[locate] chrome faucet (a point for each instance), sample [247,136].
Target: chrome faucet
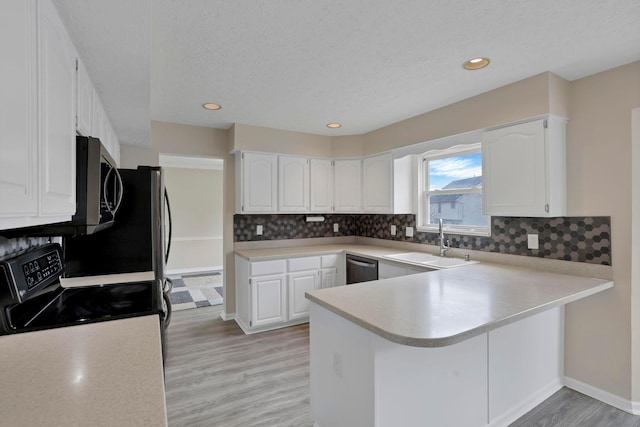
[444,245]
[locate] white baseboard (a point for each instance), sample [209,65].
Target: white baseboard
[603,396]
[526,405]
[177,271]
[227,316]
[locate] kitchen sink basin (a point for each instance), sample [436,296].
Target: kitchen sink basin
[429,260]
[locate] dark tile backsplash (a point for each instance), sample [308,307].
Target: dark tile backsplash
[578,239]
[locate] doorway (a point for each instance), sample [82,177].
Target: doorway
[195,264]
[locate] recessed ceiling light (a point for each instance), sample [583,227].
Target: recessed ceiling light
[476,63]
[211,106]
[334,125]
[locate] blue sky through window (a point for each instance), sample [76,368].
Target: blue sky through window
[444,171]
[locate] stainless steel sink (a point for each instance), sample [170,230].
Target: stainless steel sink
[428,260]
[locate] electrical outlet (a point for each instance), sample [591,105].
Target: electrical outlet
[532,241]
[409,232]
[393,230]
[258,230]
[336,227]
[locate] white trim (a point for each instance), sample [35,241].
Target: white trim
[227,316]
[187,162]
[194,270]
[603,396]
[194,238]
[526,405]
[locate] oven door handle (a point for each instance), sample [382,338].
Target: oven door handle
[167,318]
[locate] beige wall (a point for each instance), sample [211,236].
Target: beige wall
[256,138]
[523,99]
[598,329]
[172,138]
[196,208]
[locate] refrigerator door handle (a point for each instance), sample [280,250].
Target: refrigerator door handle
[168,205]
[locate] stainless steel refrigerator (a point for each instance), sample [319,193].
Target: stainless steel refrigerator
[138,241]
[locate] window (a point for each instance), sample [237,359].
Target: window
[451,188]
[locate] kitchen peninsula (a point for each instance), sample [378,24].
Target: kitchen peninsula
[478,345]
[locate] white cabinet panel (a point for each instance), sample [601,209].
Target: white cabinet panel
[261,268]
[259,183]
[299,283]
[321,183]
[56,102]
[348,185]
[524,169]
[304,263]
[18,109]
[84,103]
[328,277]
[268,300]
[293,184]
[377,186]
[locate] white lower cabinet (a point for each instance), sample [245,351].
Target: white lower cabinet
[299,283]
[268,300]
[271,294]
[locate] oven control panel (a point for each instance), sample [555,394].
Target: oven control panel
[41,268]
[27,273]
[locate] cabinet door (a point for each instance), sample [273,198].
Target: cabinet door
[514,176]
[56,103]
[97,118]
[268,300]
[18,111]
[348,185]
[328,277]
[377,189]
[299,283]
[259,182]
[84,102]
[293,184]
[321,180]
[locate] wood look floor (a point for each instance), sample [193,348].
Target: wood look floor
[216,376]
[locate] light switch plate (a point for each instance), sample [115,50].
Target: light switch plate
[336,227]
[393,230]
[532,241]
[409,232]
[258,230]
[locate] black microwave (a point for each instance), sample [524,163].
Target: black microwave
[99,193]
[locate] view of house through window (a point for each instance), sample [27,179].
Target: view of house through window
[452,190]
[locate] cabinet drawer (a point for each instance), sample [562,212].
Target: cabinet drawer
[329,260]
[386,271]
[304,263]
[260,268]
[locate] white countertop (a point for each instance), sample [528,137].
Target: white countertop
[443,307]
[99,374]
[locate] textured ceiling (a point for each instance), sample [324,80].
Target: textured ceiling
[298,65]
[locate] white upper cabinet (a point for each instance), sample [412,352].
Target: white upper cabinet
[56,102]
[84,114]
[18,110]
[321,180]
[524,169]
[293,184]
[348,185]
[377,189]
[258,183]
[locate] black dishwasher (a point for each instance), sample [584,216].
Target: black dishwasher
[361,269]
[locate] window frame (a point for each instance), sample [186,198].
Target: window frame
[423,192]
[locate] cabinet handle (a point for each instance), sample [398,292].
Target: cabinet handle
[546,208]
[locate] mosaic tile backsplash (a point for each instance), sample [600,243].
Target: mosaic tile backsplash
[578,239]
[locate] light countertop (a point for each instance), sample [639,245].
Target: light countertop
[443,307]
[377,252]
[99,374]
